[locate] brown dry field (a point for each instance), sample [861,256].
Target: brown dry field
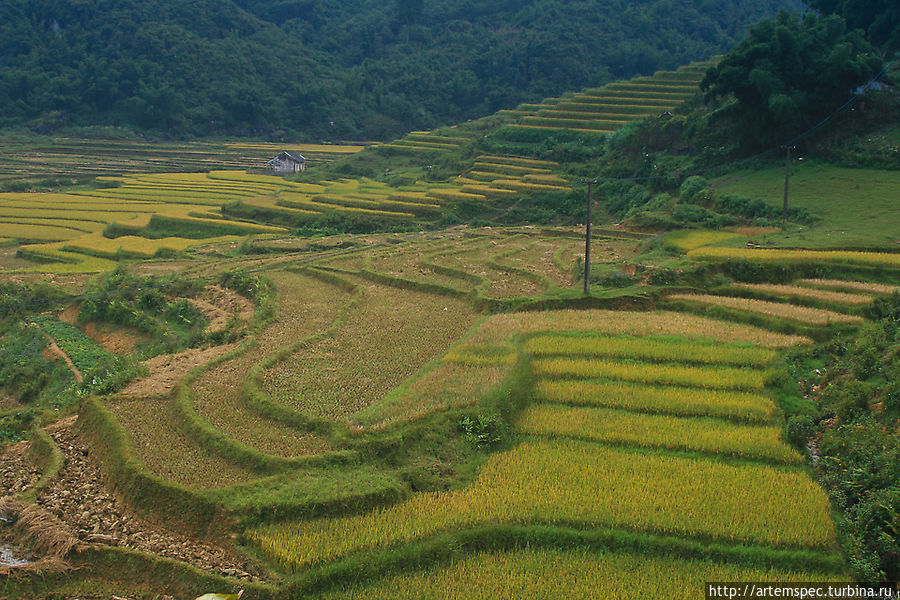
[170,454]
[307,306]
[385,338]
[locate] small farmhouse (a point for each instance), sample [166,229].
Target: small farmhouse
[287,162]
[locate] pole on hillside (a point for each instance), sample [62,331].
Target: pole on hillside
[587,243]
[787,179]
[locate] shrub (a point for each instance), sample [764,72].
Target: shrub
[484,431]
[886,308]
[17,299]
[800,429]
[23,369]
[697,215]
[695,190]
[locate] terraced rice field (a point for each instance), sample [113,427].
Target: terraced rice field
[72,158]
[603,110]
[447,385]
[307,306]
[151,213]
[426,142]
[803,314]
[772,255]
[170,454]
[687,240]
[639,456]
[503,176]
[702,377]
[654,349]
[657,323]
[659,431]
[170,212]
[796,291]
[559,481]
[850,286]
[385,338]
[490,263]
[673,400]
[571,574]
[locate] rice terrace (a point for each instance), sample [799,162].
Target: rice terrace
[399,372]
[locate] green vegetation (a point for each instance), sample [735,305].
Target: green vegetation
[879,19]
[413,390]
[853,436]
[24,370]
[223,68]
[855,208]
[788,75]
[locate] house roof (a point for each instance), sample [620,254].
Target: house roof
[285,156]
[295,155]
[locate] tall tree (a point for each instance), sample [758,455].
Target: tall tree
[880,19]
[408,11]
[788,74]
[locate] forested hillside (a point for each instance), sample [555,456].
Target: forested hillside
[328,68]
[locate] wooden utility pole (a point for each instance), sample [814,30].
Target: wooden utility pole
[787,179]
[587,244]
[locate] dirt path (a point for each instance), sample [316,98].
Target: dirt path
[166,370]
[56,352]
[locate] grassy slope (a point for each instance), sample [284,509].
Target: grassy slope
[857,208]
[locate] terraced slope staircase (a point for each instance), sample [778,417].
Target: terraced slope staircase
[605,109]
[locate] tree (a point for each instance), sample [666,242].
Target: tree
[408,11]
[880,19]
[788,75]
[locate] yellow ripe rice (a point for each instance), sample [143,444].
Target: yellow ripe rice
[812,316]
[659,431]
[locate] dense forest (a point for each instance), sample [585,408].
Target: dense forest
[332,69]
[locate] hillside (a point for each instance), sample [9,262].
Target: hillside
[409,409]
[336,70]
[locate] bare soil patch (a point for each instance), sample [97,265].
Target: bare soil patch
[7,402]
[117,340]
[113,338]
[70,315]
[166,370]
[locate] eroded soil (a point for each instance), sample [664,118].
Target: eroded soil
[79,496]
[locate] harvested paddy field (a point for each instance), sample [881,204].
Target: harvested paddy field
[386,336]
[169,453]
[307,306]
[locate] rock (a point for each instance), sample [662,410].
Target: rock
[99,538]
